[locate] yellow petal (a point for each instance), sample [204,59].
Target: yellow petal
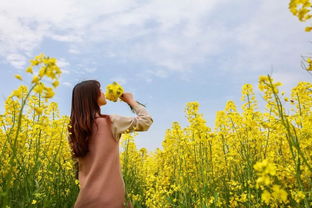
[308,29]
[17,76]
[55,83]
[35,79]
[29,69]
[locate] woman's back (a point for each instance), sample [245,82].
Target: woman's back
[101,183]
[100,176]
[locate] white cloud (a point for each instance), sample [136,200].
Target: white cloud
[110,54]
[148,79]
[77,21]
[269,37]
[159,73]
[148,75]
[63,64]
[65,71]
[65,38]
[174,36]
[16,60]
[167,34]
[89,69]
[68,84]
[73,51]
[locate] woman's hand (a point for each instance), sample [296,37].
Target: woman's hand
[128,98]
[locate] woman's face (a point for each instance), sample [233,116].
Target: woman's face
[102,99]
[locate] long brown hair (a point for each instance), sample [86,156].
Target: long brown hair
[83,112]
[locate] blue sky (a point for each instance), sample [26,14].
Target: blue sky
[167,53]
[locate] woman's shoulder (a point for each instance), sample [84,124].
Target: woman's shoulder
[102,118]
[114,117]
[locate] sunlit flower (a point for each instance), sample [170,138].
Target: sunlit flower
[113,91]
[17,76]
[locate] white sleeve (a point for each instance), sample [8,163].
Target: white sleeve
[122,124]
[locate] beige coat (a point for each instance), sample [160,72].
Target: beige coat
[100,176]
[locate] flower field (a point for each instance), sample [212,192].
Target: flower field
[250,158]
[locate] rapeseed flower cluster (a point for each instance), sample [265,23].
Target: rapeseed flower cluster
[113,91]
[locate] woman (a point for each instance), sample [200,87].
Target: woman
[94,139]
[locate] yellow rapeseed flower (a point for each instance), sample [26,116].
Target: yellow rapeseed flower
[42,71]
[17,76]
[35,79]
[38,110]
[279,194]
[263,78]
[34,62]
[55,83]
[308,29]
[270,169]
[266,196]
[49,93]
[39,88]
[298,196]
[309,61]
[113,91]
[17,93]
[29,69]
